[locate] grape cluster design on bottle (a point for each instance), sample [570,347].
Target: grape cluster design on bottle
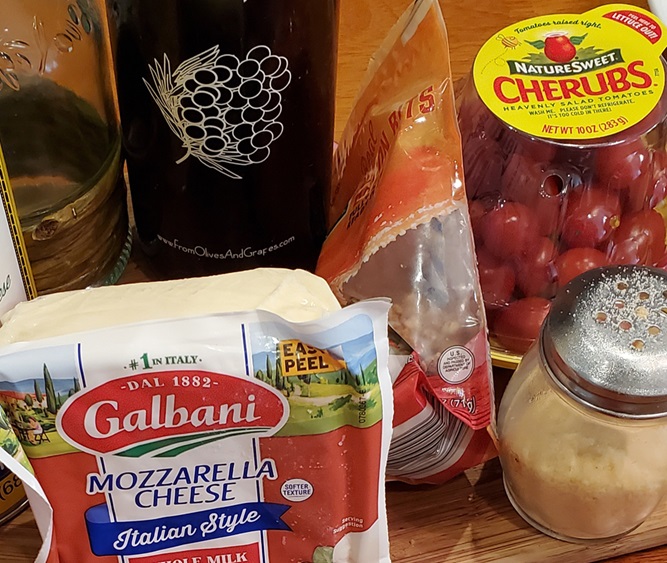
[224,110]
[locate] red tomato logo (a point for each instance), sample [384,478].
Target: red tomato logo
[559,48]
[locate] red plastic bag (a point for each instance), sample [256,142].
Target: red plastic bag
[400,228]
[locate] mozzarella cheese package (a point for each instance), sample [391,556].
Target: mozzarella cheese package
[232,419]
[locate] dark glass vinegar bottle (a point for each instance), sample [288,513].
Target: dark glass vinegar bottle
[227,114]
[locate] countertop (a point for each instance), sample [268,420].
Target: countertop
[468,519]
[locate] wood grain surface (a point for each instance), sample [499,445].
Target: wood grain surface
[469,519]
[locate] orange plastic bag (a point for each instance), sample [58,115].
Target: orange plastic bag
[400,228]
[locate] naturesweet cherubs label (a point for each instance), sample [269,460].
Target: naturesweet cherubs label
[235,438]
[574,76]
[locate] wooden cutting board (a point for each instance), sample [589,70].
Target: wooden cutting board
[468,520]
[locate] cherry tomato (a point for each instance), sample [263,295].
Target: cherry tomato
[496,279]
[476,210]
[547,205]
[638,196]
[592,214]
[657,189]
[639,239]
[521,179]
[623,166]
[524,182]
[577,261]
[640,129]
[535,270]
[538,150]
[509,230]
[518,324]
[474,115]
[637,162]
[662,262]
[482,165]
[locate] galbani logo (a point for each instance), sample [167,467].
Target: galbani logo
[166,414]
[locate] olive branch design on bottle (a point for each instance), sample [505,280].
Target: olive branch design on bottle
[224,110]
[15,54]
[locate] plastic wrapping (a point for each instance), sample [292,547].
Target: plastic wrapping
[226,437]
[564,127]
[400,228]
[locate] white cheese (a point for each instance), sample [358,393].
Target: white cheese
[295,295]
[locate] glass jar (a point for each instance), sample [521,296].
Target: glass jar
[60,134]
[582,422]
[565,161]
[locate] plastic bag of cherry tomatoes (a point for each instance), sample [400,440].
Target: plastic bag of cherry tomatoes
[564,132]
[400,228]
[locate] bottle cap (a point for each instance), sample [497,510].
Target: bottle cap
[604,341]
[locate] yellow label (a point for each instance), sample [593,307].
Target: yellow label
[297,358]
[11,491]
[11,234]
[571,76]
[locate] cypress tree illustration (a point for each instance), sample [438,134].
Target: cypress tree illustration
[348,378]
[27,399]
[269,373]
[362,377]
[51,401]
[38,393]
[77,387]
[280,383]
[307,379]
[4,421]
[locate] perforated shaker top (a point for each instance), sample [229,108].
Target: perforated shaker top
[605,340]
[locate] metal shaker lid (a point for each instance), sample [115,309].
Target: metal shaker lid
[604,340]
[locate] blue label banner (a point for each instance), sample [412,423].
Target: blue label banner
[146,536]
